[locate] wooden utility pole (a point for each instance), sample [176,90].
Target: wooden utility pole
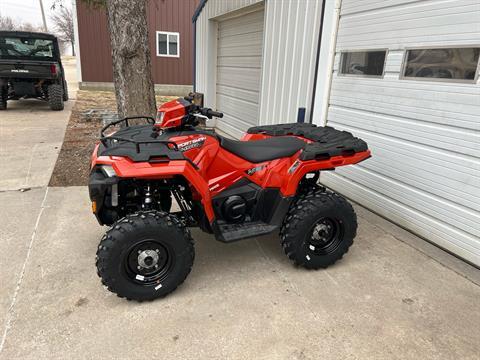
[43,17]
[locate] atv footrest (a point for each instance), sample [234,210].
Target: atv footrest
[234,232]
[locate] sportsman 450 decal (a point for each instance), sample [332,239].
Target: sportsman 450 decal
[192,144]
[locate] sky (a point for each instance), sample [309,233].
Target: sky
[29,10]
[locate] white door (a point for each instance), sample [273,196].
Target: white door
[239,60]
[424,173]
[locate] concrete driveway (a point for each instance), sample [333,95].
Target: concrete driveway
[392,296]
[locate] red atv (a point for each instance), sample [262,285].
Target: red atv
[264,183]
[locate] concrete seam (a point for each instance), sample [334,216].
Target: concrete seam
[10,312]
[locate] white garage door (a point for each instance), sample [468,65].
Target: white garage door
[239,59]
[424,135]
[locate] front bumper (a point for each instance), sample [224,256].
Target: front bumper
[100,188]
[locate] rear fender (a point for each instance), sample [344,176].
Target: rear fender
[300,168]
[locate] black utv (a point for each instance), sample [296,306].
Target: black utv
[30,67]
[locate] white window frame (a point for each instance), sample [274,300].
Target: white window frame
[342,57]
[415,78]
[168,33]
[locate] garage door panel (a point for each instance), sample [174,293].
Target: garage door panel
[239,59]
[237,93]
[239,77]
[447,212]
[241,24]
[252,39]
[456,241]
[443,137]
[247,112]
[240,51]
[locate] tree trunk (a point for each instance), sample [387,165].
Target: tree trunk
[132,73]
[73,48]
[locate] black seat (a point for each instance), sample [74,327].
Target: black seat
[263,150]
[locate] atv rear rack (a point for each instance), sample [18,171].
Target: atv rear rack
[326,142]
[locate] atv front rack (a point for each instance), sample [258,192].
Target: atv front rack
[140,143]
[110,139]
[150,120]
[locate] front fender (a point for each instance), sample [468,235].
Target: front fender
[125,168]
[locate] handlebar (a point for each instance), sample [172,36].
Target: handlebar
[210,113]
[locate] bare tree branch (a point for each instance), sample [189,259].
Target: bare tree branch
[8,24]
[63,25]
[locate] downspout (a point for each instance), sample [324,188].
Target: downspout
[331,57]
[319,44]
[195,55]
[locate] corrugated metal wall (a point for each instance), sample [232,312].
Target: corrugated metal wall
[289,54]
[425,136]
[290,49]
[167,15]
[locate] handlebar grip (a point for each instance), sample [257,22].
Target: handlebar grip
[210,113]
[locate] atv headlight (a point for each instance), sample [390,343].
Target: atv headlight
[108,170]
[160,116]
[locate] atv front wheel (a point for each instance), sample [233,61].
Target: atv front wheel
[318,229]
[145,255]
[3,97]
[55,97]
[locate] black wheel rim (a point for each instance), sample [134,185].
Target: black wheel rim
[325,236]
[148,262]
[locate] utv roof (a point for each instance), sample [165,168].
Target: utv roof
[38,35]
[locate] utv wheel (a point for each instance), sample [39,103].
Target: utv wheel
[3,98]
[55,97]
[318,229]
[145,255]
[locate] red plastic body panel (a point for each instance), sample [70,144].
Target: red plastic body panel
[173,114]
[217,168]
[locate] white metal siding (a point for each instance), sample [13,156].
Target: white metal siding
[239,60]
[424,136]
[291,39]
[289,55]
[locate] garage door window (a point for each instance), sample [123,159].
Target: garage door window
[363,63]
[456,64]
[168,44]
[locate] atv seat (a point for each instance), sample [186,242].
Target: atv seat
[263,150]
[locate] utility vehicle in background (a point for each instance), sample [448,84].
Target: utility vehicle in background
[30,67]
[234,189]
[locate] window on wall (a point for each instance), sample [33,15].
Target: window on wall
[168,44]
[363,63]
[442,63]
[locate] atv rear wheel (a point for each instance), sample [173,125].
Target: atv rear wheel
[145,255]
[55,97]
[3,97]
[318,229]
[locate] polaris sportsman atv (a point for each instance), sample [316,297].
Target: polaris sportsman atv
[264,183]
